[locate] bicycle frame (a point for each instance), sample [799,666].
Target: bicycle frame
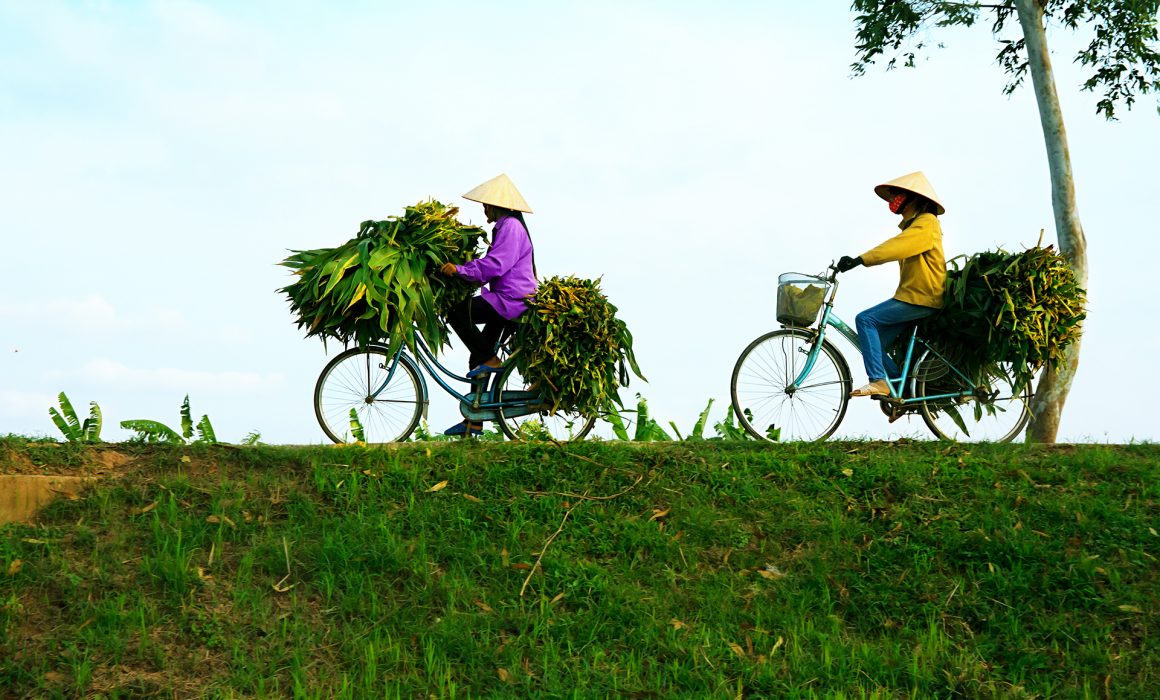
[830,319]
[473,404]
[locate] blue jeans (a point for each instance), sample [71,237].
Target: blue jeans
[878,327]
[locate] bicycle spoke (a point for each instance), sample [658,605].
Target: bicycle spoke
[764,371]
[348,382]
[982,419]
[560,427]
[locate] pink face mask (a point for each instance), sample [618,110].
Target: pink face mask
[897,202]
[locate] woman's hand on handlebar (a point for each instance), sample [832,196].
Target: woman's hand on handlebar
[448,269]
[846,263]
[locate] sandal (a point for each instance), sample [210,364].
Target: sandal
[875,388]
[460,429]
[482,370]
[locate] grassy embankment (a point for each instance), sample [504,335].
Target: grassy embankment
[703,570]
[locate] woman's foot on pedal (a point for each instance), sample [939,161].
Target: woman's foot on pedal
[482,370]
[487,367]
[460,429]
[879,387]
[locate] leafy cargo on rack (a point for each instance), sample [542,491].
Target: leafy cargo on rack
[380,286]
[1018,308]
[572,348]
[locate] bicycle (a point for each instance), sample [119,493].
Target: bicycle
[794,384]
[389,394]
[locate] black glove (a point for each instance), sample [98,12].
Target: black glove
[846,263]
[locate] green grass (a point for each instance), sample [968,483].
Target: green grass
[842,570]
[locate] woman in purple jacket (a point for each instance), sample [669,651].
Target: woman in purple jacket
[508,275]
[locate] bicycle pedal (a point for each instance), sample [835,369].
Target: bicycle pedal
[475,398]
[887,399]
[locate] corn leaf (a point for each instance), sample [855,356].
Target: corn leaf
[574,350]
[384,285]
[1024,309]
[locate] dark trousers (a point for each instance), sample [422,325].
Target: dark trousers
[480,343]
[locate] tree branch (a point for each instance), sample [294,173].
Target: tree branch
[544,549]
[980,6]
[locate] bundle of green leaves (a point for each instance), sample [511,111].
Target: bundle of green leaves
[384,285]
[1019,308]
[573,349]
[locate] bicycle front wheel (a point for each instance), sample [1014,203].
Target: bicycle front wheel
[517,423]
[355,380]
[995,413]
[768,410]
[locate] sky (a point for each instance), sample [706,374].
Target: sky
[158,158]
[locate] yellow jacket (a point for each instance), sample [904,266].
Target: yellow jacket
[919,252]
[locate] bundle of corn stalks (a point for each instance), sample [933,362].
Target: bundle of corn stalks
[383,285]
[572,348]
[1018,308]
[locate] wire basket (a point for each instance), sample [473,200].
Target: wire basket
[800,298]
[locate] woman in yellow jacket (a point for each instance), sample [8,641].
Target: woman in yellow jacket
[919,252]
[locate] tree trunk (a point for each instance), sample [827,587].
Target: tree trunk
[1054,383]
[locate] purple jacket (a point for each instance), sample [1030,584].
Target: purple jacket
[506,269]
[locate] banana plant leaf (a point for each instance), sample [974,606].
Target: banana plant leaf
[153,431]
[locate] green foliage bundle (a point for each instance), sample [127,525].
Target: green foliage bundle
[383,285]
[1022,308]
[573,349]
[71,426]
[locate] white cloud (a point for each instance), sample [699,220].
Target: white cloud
[24,404]
[92,312]
[193,19]
[112,373]
[95,314]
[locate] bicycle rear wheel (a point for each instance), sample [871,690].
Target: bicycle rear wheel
[350,381]
[996,413]
[517,424]
[771,363]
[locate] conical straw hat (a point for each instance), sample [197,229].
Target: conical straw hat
[915,182]
[499,192]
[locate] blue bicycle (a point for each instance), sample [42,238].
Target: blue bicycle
[388,393]
[794,384]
